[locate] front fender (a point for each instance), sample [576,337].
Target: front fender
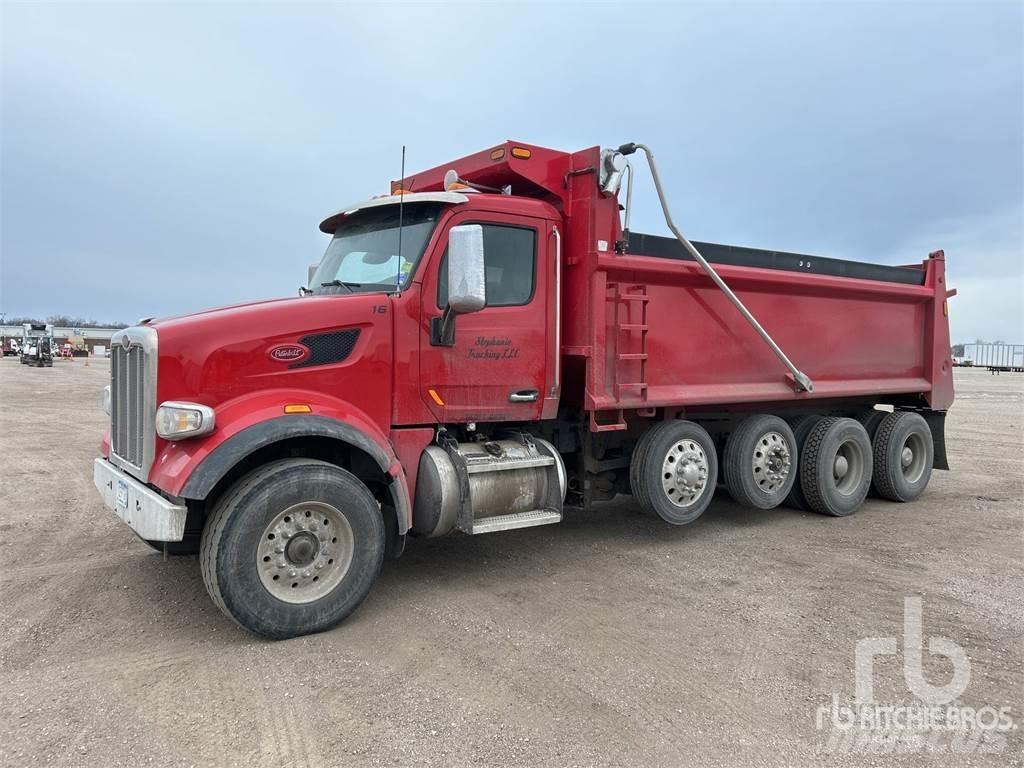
[192,468]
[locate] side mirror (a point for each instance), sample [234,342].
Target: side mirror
[467,281]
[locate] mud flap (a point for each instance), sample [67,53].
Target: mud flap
[937,424]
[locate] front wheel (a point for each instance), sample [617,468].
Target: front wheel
[293,548]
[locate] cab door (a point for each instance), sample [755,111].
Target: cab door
[498,368]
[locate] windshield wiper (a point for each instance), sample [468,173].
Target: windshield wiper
[340,284]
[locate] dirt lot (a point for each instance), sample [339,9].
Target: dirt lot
[608,640]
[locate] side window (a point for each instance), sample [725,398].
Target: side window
[510,261]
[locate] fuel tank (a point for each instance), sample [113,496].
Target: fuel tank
[513,478]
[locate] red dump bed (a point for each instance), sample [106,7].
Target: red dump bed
[670,336]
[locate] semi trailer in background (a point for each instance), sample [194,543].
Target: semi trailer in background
[995,357]
[490,343]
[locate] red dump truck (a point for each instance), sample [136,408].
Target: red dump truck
[489,343]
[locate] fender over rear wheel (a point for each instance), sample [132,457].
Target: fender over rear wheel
[293,548]
[674,471]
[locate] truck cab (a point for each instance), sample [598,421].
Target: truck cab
[480,347]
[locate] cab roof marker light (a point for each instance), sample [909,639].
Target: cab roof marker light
[498,153]
[298,408]
[521,152]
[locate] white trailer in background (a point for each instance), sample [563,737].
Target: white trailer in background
[997,358]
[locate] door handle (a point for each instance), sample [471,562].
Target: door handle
[523,396]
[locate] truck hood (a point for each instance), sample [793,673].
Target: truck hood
[313,342]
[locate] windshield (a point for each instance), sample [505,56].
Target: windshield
[363,254]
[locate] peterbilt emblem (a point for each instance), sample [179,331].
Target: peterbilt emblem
[288,353]
[125,341]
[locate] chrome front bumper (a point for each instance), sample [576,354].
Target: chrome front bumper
[148,513]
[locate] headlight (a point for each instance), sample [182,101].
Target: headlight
[105,400]
[176,421]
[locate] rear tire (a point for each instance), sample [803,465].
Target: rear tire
[638,461]
[836,467]
[293,548]
[802,426]
[903,455]
[674,474]
[871,419]
[760,462]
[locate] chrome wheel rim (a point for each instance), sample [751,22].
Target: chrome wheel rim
[912,458]
[684,473]
[771,462]
[305,552]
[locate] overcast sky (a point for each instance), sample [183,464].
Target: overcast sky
[164,158]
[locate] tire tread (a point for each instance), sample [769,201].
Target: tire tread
[883,479]
[636,464]
[218,520]
[809,465]
[735,463]
[801,427]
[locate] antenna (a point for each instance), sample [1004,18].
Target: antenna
[401,207]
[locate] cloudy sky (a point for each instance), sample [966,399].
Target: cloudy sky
[160,158]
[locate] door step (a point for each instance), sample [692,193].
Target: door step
[517,520]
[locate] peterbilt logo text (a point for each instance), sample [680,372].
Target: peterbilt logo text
[288,353]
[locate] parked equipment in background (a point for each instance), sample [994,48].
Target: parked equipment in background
[37,345]
[12,348]
[476,355]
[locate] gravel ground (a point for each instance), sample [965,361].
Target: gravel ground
[610,639]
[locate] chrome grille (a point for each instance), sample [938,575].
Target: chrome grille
[132,391]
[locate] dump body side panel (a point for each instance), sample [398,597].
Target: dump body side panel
[853,337]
